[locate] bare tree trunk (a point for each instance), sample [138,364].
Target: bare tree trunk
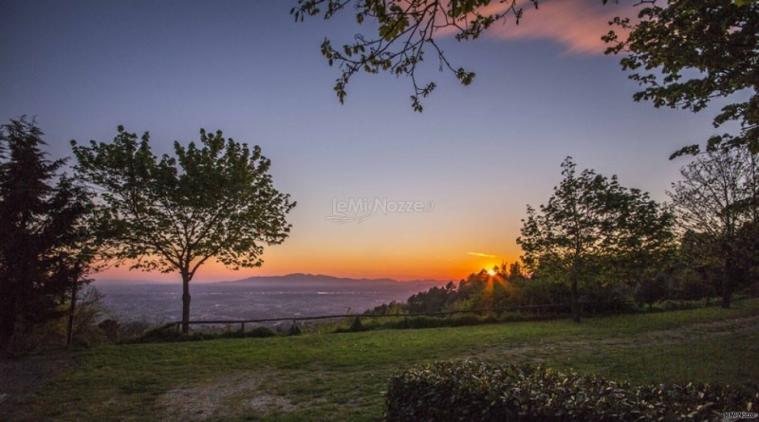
[72,311]
[185,302]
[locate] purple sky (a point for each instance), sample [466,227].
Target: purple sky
[479,154]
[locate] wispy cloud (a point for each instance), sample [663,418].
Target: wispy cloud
[577,25]
[481,255]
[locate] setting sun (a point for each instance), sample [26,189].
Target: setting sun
[491,272]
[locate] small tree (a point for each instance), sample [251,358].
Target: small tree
[42,220]
[715,199]
[515,272]
[589,222]
[174,213]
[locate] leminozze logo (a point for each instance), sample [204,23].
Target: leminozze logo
[737,416]
[356,210]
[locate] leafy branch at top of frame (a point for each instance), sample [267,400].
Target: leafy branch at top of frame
[405,31]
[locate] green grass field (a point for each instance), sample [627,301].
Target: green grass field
[343,376]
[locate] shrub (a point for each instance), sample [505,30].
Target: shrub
[420,322]
[169,333]
[131,330]
[356,325]
[650,290]
[260,332]
[31,337]
[166,333]
[294,330]
[110,329]
[474,391]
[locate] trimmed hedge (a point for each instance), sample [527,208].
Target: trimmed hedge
[474,391]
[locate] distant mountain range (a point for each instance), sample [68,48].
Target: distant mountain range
[296,279]
[328,280]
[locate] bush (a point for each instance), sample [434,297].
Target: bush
[170,333]
[131,330]
[31,337]
[110,329]
[260,331]
[167,333]
[474,391]
[294,330]
[356,325]
[421,322]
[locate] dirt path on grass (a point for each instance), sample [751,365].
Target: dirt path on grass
[225,397]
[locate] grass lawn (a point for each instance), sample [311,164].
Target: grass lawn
[342,376]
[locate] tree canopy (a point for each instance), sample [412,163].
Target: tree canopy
[405,31]
[683,52]
[215,199]
[589,224]
[44,237]
[716,209]
[686,53]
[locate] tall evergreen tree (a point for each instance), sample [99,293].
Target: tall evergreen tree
[42,216]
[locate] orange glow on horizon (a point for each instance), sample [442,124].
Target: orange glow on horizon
[442,268]
[444,245]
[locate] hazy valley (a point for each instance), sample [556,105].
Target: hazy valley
[255,297]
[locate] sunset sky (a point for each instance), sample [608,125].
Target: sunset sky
[471,161]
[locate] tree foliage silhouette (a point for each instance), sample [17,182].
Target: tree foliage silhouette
[686,53]
[713,40]
[404,33]
[44,234]
[589,222]
[212,200]
[715,200]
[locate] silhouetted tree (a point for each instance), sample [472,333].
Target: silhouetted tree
[685,53]
[647,248]
[435,299]
[713,42]
[42,223]
[747,252]
[697,269]
[75,262]
[173,213]
[516,272]
[588,222]
[710,201]
[650,290]
[403,32]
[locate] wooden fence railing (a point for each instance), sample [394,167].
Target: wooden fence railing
[536,309]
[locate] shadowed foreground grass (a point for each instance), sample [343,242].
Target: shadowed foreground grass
[343,376]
